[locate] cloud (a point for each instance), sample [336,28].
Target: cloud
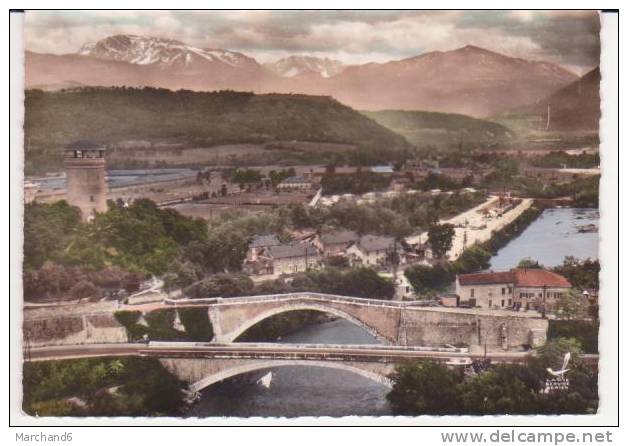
[570,38]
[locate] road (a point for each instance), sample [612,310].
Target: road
[367,353]
[473,220]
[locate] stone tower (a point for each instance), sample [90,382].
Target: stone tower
[85,177]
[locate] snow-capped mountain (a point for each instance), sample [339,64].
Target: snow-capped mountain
[294,66]
[468,80]
[144,50]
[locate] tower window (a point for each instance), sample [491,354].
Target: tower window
[91,198]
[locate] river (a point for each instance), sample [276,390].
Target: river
[552,237]
[301,390]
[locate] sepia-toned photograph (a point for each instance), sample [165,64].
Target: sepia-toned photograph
[292,213]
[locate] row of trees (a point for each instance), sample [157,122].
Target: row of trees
[429,388]
[361,282]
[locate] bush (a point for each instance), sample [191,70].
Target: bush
[221,285]
[585,332]
[426,278]
[83,289]
[197,324]
[423,388]
[146,388]
[127,318]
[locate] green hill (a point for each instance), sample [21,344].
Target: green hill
[194,119]
[441,130]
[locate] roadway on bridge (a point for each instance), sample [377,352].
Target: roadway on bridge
[256,351]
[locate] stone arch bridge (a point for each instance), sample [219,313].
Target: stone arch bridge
[398,323]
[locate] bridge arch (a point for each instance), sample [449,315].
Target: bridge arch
[261,365]
[231,337]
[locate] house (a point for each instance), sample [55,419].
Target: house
[332,243]
[296,183]
[292,259]
[522,288]
[259,244]
[371,250]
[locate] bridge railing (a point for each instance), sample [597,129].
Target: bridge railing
[319,297]
[245,346]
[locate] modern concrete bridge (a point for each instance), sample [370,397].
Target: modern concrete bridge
[404,323]
[203,364]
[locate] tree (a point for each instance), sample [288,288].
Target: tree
[48,229]
[440,238]
[529,264]
[551,354]
[573,305]
[425,278]
[583,274]
[504,389]
[423,388]
[83,289]
[474,258]
[221,285]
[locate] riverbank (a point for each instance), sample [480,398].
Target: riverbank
[476,226]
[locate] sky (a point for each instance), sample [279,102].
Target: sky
[568,38]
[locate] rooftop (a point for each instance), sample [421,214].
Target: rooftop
[522,277]
[297,179]
[260,241]
[342,236]
[382,169]
[369,243]
[85,145]
[296,250]
[540,277]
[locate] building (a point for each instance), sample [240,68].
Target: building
[298,183]
[383,169]
[259,244]
[522,288]
[85,177]
[292,259]
[333,243]
[371,250]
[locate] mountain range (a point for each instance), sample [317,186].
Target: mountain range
[574,107]
[469,80]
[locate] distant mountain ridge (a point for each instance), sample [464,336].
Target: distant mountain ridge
[293,66]
[574,107]
[469,80]
[142,50]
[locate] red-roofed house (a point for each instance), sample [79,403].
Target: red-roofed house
[525,288]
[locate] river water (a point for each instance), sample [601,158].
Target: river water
[301,390]
[552,237]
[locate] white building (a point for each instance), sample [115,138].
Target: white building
[372,250]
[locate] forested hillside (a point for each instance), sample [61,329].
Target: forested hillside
[193,119]
[442,130]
